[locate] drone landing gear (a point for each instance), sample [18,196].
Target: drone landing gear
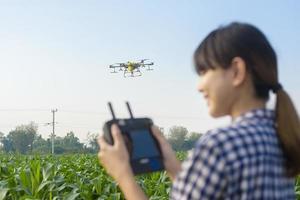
[132,74]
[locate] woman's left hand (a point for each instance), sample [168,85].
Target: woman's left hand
[115,158]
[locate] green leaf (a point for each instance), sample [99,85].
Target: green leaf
[3,193]
[42,185]
[71,196]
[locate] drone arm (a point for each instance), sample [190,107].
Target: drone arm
[148,64]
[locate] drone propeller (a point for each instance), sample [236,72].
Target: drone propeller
[149,69]
[116,66]
[152,63]
[147,64]
[143,60]
[110,66]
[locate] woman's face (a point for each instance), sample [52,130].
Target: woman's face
[216,87]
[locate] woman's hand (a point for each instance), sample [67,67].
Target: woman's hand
[115,158]
[172,164]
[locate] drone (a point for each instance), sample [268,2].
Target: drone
[131,69]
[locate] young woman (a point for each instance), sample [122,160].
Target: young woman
[257,155]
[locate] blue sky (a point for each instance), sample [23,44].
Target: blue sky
[55,54]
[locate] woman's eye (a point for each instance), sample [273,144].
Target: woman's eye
[202,72]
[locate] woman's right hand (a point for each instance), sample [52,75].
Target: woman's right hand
[172,164]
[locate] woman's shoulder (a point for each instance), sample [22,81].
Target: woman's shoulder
[224,142]
[218,136]
[250,124]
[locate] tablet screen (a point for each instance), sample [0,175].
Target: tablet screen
[144,144]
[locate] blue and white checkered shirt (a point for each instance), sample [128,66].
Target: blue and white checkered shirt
[241,161]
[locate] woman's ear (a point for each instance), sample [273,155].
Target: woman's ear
[239,71]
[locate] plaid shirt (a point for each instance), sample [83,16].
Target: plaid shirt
[241,161]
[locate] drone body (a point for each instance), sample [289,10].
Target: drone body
[131,69]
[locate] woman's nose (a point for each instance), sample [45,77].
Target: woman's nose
[200,86]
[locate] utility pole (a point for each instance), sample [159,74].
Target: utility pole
[53,129]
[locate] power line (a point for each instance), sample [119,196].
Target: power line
[23,110]
[84,112]
[103,113]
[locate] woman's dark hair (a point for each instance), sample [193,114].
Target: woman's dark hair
[249,43]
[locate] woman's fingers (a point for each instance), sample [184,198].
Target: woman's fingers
[117,138]
[117,135]
[158,135]
[103,144]
[114,158]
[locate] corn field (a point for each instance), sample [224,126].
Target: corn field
[297,188]
[67,177]
[71,177]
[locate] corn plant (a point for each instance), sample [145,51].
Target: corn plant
[297,188]
[67,177]
[72,177]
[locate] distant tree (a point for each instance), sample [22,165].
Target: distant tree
[68,144]
[180,139]
[177,137]
[92,142]
[1,140]
[5,143]
[40,145]
[59,150]
[22,137]
[72,142]
[191,140]
[58,141]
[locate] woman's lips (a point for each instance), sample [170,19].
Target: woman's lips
[206,98]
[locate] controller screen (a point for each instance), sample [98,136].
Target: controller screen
[144,144]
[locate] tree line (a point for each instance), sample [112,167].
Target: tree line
[24,139]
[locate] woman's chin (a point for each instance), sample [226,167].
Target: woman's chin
[214,112]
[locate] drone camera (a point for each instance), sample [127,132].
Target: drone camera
[143,148]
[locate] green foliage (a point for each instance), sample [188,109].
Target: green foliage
[181,139]
[67,177]
[70,143]
[25,140]
[177,137]
[77,176]
[21,139]
[297,188]
[92,138]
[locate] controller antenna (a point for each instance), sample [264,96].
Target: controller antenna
[111,110]
[129,109]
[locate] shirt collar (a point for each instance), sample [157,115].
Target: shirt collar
[262,115]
